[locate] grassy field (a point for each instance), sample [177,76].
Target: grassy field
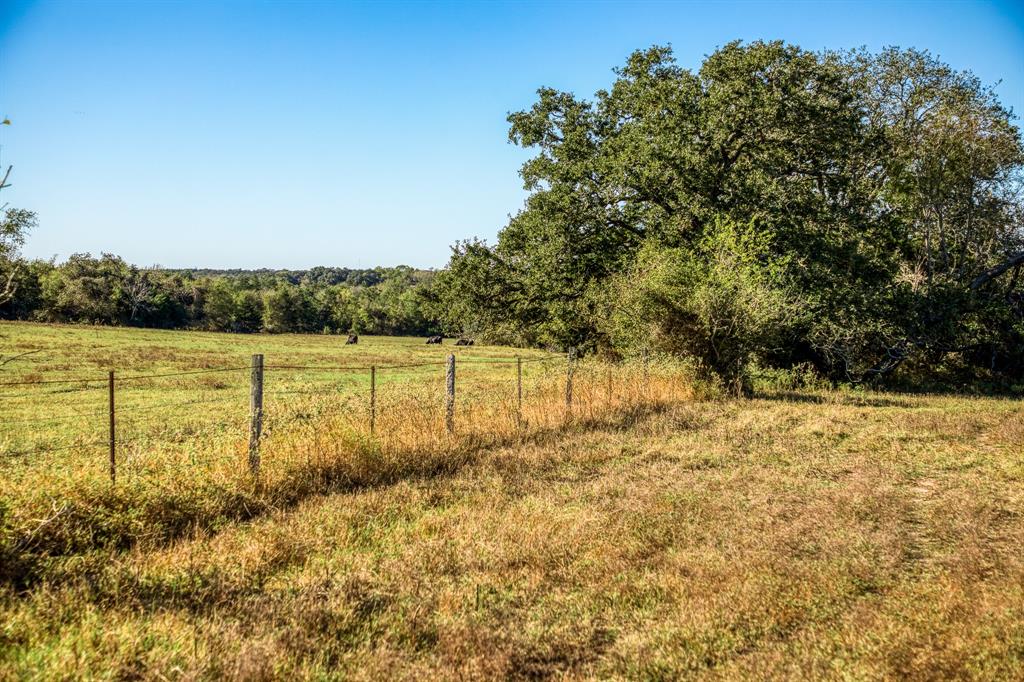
[652,534]
[209,384]
[182,406]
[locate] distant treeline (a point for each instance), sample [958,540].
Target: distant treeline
[107,290]
[852,216]
[363,277]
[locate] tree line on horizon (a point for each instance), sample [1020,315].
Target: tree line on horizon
[109,291]
[853,214]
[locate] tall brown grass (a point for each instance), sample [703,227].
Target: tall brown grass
[824,535]
[315,441]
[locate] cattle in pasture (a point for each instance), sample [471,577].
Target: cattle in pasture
[434,340]
[352,338]
[464,342]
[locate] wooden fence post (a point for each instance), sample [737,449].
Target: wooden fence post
[113,447]
[571,357]
[255,413]
[519,392]
[449,405]
[373,398]
[646,361]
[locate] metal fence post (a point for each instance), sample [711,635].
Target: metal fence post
[113,447]
[449,406]
[373,399]
[571,358]
[255,413]
[519,392]
[647,362]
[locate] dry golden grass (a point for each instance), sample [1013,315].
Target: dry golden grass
[858,538]
[182,455]
[664,536]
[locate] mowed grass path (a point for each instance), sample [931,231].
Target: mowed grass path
[795,536]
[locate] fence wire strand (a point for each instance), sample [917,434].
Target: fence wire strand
[44,451]
[341,397]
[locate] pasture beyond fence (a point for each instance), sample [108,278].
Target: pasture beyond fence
[362,384]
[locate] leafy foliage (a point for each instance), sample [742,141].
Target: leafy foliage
[107,290]
[721,302]
[888,183]
[15,224]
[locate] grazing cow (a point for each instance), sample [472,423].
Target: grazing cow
[352,338]
[434,339]
[464,342]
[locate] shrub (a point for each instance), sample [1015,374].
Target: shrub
[722,302]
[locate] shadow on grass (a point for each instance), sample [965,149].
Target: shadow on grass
[880,397]
[838,399]
[93,521]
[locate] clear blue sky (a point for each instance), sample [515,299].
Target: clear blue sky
[300,134]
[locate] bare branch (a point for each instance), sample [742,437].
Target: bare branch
[7,292]
[20,355]
[987,277]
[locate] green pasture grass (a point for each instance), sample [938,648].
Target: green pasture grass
[40,415]
[801,535]
[182,426]
[653,532]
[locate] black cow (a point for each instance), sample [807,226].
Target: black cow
[352,338]
[464,342]
[435,340]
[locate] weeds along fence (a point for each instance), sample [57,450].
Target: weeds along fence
[227,420]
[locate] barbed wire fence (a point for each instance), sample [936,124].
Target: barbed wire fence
[118,412]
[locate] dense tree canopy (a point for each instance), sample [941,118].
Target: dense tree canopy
[107,290]
[15,224]
[853,212]
[888,184]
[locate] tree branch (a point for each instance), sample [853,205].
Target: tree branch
[986,277]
